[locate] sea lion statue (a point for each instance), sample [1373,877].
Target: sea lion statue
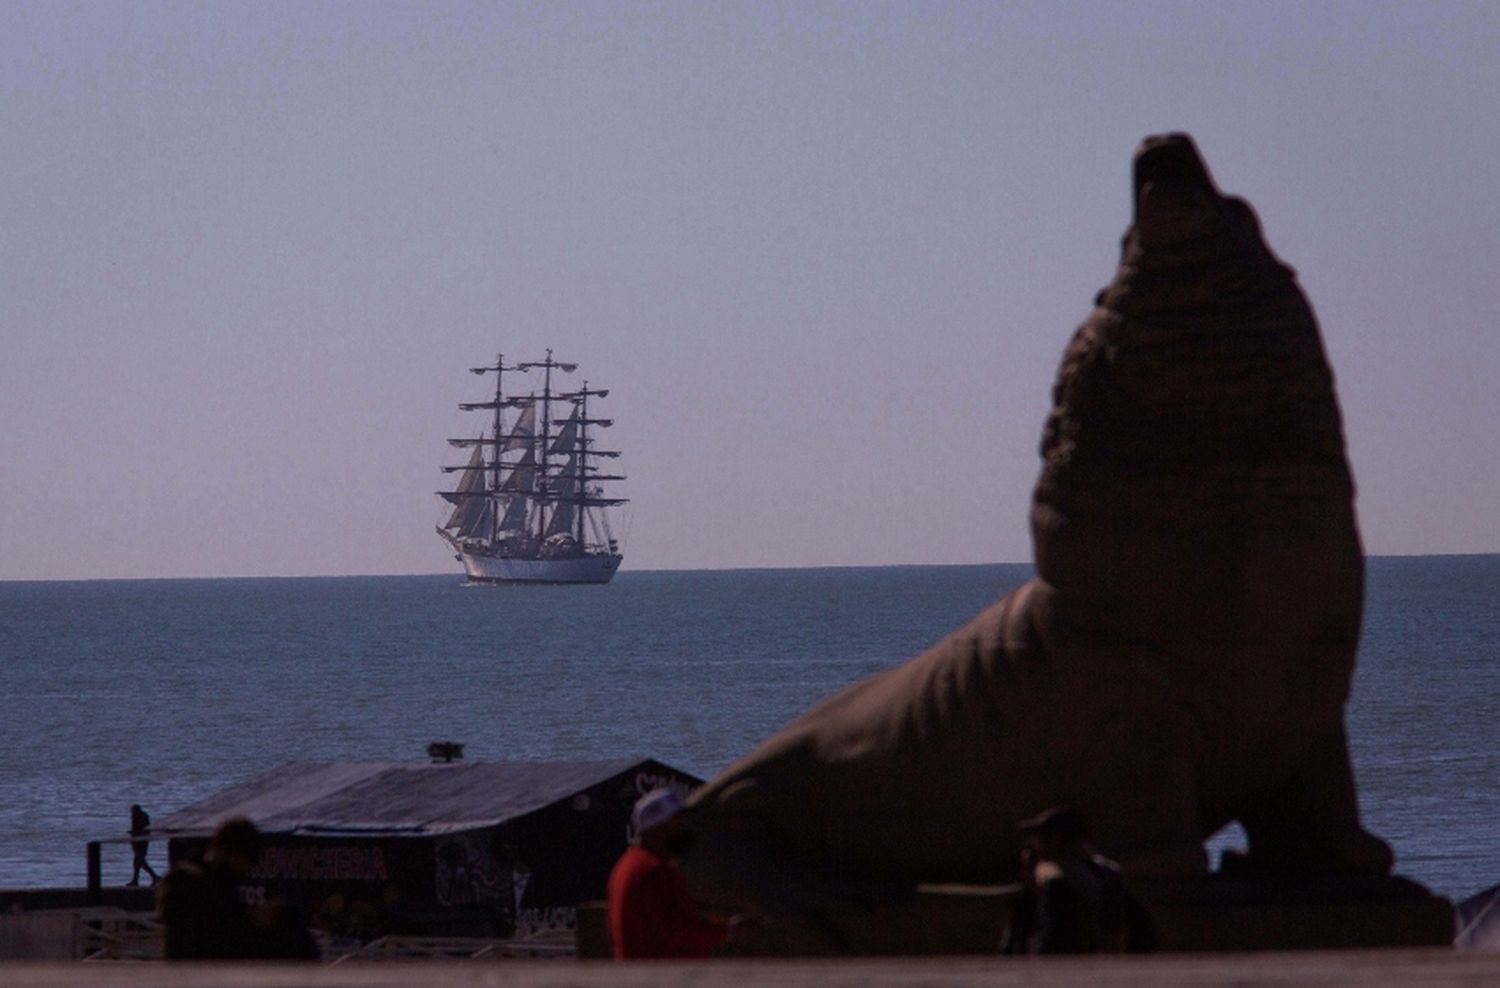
[1182,657]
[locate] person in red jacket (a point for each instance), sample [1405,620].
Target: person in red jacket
[651,913]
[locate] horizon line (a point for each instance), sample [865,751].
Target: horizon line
[624,572]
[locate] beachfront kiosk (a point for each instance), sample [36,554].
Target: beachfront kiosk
[491,849]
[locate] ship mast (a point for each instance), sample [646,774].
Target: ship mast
[582,497]
[579,487]
[497,437]
[547,399]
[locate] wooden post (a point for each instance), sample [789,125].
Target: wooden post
[95,895]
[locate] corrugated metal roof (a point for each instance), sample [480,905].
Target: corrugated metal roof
[394,798]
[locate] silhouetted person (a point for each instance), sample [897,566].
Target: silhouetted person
[1073,899]
[140,825]
[651,912]
[206,917]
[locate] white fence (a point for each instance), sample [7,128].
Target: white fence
[110,934]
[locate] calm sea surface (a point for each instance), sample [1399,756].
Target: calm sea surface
[164,691]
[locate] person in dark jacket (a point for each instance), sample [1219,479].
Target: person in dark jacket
[1073,899]
[206,917]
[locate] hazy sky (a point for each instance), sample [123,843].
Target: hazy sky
[825,255]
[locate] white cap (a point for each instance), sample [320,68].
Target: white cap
[655,808]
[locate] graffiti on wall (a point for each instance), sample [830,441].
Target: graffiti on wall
[530,922]
[646,781]
[467,874]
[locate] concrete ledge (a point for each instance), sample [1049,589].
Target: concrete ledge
[1213,913]
[1366,969]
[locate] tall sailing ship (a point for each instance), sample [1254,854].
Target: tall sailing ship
[530,505]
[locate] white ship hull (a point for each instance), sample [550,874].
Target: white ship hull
[579,569]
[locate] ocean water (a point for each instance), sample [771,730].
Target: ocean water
[162,692]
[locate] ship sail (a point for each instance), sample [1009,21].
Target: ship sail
[564,509]
[524,433]
[563,486]
[471,508]
[476,524]
[567,436]
[514,519]
[518,485]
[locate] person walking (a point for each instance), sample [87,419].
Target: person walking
[140,826]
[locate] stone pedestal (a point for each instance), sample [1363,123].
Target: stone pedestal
[1220,913]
